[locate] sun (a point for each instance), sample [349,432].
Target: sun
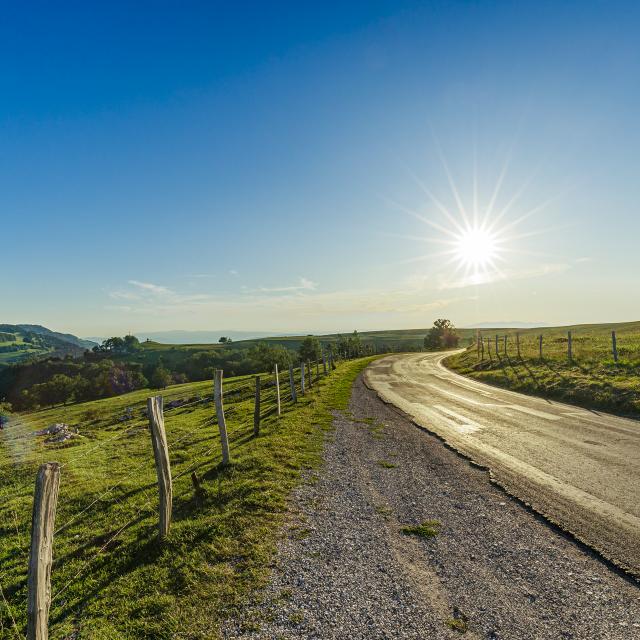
[476,248]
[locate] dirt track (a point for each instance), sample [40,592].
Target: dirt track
[579,468]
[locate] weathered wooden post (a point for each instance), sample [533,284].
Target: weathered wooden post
[310,375]
[489,349]
[478,344]
[332,364]
[222,423]
[505,345]
[256,409]
[279,408]
[540,345]
[163,468]
[324,363]
[302,378]
[518,345]
[292,385]
[614,346]
[569,350]
[482,348]
[45,500]
[497,347]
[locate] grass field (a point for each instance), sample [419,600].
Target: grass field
[591,379]
[111,578]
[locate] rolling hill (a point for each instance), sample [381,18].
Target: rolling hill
[19,342]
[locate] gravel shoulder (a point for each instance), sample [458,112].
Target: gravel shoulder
[345,569]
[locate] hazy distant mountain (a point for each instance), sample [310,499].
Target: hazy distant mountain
[507,324]
[65,337]
[199,337]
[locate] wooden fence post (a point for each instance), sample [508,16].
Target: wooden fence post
[489,349]
[292,384]
[310,375]
[278,391]
[482,348]
[569,350]
[497,348]
[518,345]
[161,456]
[45,500]
[302,378]
[332,364]
[318,369]
[222,423]
[614,346]
[324,363]
[505,345]
[540,345]
[478,344]
[256,409]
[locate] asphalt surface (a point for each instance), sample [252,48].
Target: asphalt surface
[578,468]
[495,570]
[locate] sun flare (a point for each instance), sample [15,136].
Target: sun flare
[476,248]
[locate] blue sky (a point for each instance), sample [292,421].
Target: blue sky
[281,166]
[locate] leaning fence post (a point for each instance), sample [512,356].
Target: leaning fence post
[45,500]
[222,423]
[489,349]
[540,345]
[614,346]
[256,410]
[278,390]
[161,456]
[292,384]
[569,353]
[302,378]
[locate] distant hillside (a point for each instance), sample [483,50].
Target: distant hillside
[20,342]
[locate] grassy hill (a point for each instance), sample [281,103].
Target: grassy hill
[591,378]
[111,577]
[21,342]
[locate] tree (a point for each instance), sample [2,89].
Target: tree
[161,377]
[441,336]
[310,349]
[131,344]
[225,340]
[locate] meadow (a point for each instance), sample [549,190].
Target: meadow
[591,378]
[112,579]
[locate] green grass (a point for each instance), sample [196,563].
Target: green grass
[111,578]
[591,379]
[427,529]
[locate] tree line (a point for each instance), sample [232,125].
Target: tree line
[111,369]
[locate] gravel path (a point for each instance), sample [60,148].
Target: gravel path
[495,570]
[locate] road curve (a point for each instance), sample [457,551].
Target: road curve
[579,468]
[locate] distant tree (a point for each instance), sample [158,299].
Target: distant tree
[266,356]
[161,377]
[310,349]
[225,340]
[441,336]
[355,346]
[131,344]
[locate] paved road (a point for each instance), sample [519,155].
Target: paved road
[579,468]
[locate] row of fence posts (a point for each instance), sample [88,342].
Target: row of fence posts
[48,484]
[480,342]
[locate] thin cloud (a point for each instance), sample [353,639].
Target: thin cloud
[304,284]
[150,287]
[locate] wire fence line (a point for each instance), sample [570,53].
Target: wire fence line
[572,346]
[270,392]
